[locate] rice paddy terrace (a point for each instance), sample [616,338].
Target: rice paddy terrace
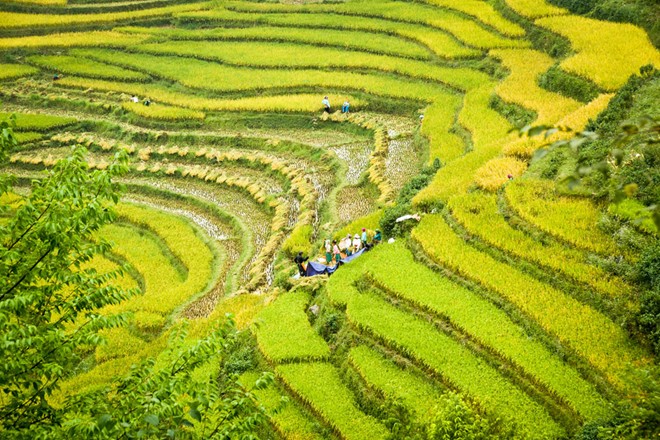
[503,298]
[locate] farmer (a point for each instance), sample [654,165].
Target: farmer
[56,77]
[346,244]
[364,237]
[336,251]
[299,260]
[377,238]
[356,243]
[135,99]
[326,104]
[345,107]
[147,102]
[328,251]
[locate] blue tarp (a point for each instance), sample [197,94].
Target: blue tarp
[314,268]
[352,257]
[319,269]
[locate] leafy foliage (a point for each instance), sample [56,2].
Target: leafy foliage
[169,400]
[47,298]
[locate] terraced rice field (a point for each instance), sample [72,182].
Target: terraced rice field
[498,300]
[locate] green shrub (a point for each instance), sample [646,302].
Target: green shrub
[635,417]
[242,355]
[648,318]
[570,85]
[329,325]
[636,213]
[388,224]
[648,267]
[552,164]
[457,421]
[517,115]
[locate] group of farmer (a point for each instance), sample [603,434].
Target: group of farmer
[335,250]
[326,106]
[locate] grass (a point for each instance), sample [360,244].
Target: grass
[73,39]
[524,148]
[223,78]
[294,341]
[438,42]
[439,118]
[482,321]
[166,287]
[571,219]
[283,55]
[479,214]
[489,132]
[162,111]
[484,13]
[276,103]
[37,122]
[353,40]
[10,20]
[495,173]
[288,418]
[80,66]
[521,86]
[589,333]
[42,2]
[396,383]
[534,8]
[463,29]
[28,136]
[455,363]
[319,386]
[606,53]
[8,71]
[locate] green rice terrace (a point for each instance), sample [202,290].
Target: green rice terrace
[520,298]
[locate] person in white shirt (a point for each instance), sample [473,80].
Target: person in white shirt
[346,245]
[326,104]
[357,243]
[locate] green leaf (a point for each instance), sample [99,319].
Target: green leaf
[151,419]
[195,414]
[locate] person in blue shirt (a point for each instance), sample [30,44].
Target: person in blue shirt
[364,238]
[377,238]
[345,107]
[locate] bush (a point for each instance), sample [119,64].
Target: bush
[636,417]
[648,318]
[552,165]
[566,84]
[242,355]
[455,420]
[648,267]
[389,226]
[329,325]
